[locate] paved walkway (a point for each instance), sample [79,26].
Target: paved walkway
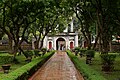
[58,67]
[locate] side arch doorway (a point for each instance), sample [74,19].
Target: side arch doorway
[60,44]
[71,45]
[50,45]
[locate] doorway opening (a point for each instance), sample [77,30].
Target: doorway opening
[50,45]
[71,45]
[60,44]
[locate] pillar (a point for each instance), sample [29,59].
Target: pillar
[76,40]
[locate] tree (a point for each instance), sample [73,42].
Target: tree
[105,11]
[16,18]
[85,16]
[51,20]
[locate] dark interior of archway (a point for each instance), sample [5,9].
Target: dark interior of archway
[59,39]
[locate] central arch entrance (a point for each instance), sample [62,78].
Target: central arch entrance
[60,44]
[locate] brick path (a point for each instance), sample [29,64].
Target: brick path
[58,67]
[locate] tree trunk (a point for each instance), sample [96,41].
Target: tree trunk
[41,45]
[105,43]
[89,41]
[36,43]
[96,40]
[110,43]
[15,53]
[100,44]
[10,45]
[26,56]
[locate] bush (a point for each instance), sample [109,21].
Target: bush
[29,53]
[87,72]
[77,50]
[44,50]
[27,70]
[5,59]
[91,53]
[82,52]
[36,52]
[107,61]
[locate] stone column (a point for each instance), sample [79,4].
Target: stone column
[54,43]
[71,26]
[67,43]
[76,40]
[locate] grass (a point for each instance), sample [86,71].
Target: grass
[96,64]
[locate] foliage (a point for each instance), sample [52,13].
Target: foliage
[108,59]
[107,62]
[27,70]
[77,49]
[6,59]
[50,20]
[36,52]
[29,53]
[82,51]
[91,53]
[44,49]
[87,72]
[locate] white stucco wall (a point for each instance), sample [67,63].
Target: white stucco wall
[67,39]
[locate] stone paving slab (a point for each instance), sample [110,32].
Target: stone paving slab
[58,67]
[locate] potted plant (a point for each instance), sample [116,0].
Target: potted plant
[44,50]
[29,55]
[89,55]
[107,62]
[36,52]
[6,66]
[82,52]
[77,50]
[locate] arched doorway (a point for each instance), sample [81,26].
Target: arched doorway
[50,45]
[60,44]
[71,45]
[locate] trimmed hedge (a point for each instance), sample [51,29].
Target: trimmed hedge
[27,70]
[91,53]
[6,59]
[87,72]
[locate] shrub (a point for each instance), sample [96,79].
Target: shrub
[87,72]
[77,50]
[91,53]
[6,59]
[44,50]
[36,52]
[29,53]
[107,61]
[82,52]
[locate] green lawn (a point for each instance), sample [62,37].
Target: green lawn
[96,64]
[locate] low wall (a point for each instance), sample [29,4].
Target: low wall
[115,47]
[5,47]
